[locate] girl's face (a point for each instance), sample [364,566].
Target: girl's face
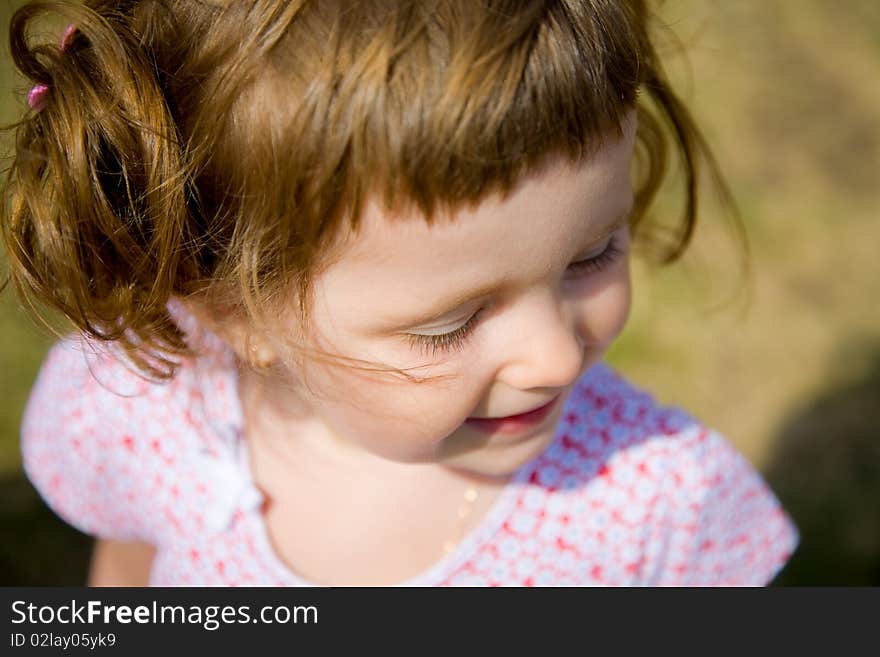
[512,302]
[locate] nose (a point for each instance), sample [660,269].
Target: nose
[545,348]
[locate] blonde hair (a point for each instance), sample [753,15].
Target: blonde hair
[218,149]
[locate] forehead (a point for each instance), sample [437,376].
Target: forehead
[398,264]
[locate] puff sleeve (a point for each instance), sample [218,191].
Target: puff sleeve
[79,446]
[724,525]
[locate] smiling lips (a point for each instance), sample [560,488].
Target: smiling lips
[513,424]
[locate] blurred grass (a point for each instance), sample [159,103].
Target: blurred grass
[36,548]
[785,363]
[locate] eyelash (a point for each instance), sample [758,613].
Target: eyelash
[446,342]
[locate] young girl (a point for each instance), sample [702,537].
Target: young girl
[343,274]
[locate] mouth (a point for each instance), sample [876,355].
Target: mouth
[513,424]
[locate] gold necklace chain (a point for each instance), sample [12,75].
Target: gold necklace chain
[464,512]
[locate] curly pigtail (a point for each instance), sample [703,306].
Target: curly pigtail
[97,219]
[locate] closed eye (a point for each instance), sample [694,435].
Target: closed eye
[447,342]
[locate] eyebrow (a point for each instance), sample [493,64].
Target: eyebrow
[451,303]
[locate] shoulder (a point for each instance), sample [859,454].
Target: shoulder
[105,447]
[88,387]
[608,424]
[620,426]
[655,474]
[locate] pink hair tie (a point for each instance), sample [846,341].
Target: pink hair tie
[67,37]
[36,98]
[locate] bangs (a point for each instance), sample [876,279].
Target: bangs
[434,105]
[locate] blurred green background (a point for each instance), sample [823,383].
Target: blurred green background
[785,362]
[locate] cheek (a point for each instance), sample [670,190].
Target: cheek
[606,314]
[399,420]
[434,377]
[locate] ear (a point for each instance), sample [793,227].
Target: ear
[233,330]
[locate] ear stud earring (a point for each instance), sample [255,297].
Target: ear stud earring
[260,358]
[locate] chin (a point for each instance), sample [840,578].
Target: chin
[498,461]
